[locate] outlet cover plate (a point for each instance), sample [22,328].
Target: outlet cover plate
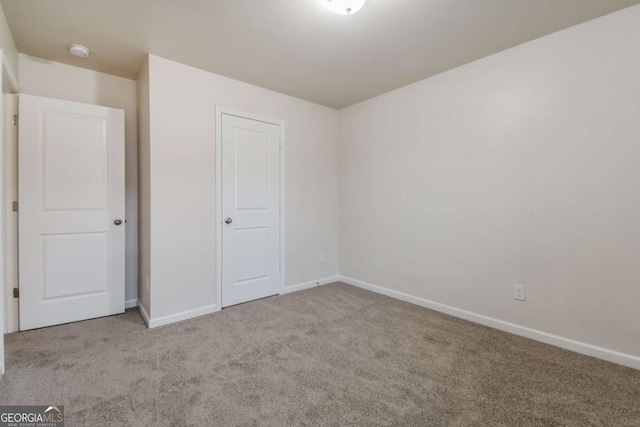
[519,292]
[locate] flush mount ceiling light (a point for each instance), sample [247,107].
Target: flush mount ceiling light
[79,50]
[345,7]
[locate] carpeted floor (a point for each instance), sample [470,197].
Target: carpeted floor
[332,356]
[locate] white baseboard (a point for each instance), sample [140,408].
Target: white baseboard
[130,303]
[547,338]
[189,314]
[143,313]
[165,320]
[309,285]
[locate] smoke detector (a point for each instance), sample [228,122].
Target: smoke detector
[79,50]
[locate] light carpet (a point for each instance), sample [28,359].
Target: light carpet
[334,355]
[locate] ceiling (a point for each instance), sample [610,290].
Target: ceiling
[297,47]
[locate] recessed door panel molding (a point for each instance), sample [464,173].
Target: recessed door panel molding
[250,223]
[75,264]
[251,254]
[251,152]
[74,146]
[71,195]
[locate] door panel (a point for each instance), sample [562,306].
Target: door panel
[252,254]
[74,146]
[75,264]
[71,189]
[251,170]
[251,200]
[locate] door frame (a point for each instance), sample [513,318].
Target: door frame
[10,220]
[280,123]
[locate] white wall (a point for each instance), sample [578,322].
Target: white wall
[55,80]
[522,167]
[8,46]
[144,201]
[2,228]
[182,163]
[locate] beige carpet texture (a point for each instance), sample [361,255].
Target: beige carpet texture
[334,355]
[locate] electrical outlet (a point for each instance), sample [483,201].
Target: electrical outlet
[519,292]
[322,258]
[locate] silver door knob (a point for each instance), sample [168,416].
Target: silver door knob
[117,221]
[228,220]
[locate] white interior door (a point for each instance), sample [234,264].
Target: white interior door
[250,209]
[71,211]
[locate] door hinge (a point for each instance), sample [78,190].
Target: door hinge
[15,120]
[14,206]
[16,292]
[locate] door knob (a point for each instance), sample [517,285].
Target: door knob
[117,221]
[228,220]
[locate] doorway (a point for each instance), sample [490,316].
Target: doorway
[250,200]
[71,198]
